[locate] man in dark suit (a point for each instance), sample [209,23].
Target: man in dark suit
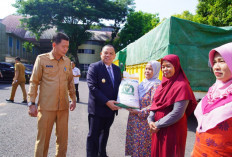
[103,79]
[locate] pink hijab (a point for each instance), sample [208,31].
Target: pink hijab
[221,92]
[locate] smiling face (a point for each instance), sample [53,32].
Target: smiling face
[167,69]
[148,71]
[220,68]
[108,55]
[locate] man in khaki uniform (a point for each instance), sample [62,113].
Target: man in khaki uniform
[53,74]
[19,79]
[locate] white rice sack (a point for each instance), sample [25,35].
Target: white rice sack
[128,95]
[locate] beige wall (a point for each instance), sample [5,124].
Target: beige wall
[89,58]
[3,42]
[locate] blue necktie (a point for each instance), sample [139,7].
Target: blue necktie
[111,75]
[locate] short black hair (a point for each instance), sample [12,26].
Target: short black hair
[58,37]
[17,58]
[108,45]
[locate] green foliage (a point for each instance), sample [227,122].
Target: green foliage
[185,15]
[74,17]
[28,46]
[95,27]
[214,12]
[211,12]
[117,10]
[137,24]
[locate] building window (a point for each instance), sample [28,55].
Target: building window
[18,45]
[86,51]
[24,52]
[10,45]
[84,67]
[10,42]
[36,51]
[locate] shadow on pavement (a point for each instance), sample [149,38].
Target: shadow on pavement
[83,103]
[4,86]
[83,79]
[24,104]
[18,103]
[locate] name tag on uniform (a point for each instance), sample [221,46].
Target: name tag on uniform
[49,66]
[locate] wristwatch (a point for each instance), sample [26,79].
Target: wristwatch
[30,103]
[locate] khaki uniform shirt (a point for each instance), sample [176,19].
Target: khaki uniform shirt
[56,82]
[21,69]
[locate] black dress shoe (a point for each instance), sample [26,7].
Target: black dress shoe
[8,100]
[24,101]
[102,155]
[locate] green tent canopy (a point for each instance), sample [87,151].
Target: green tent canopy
[121,57]
[189,40]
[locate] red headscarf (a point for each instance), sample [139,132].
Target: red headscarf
[174,89]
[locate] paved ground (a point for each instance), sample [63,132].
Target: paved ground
[18,130]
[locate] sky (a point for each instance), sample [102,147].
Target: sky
[6,8]
[165,8]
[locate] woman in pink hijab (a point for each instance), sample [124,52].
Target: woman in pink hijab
[214,112]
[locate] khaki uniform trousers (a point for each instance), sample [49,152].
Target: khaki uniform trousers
[14,88]
[46,120]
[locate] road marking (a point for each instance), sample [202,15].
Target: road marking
[3,114]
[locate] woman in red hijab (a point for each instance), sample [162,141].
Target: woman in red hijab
[172,103]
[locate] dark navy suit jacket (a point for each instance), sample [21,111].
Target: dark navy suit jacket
[101,88]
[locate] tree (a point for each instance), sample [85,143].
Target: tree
[185,15]
[74,17]
[137,24]
[118,12]
[28,46]
[214,12]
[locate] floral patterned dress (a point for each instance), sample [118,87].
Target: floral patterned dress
[138,136]
[216,142]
